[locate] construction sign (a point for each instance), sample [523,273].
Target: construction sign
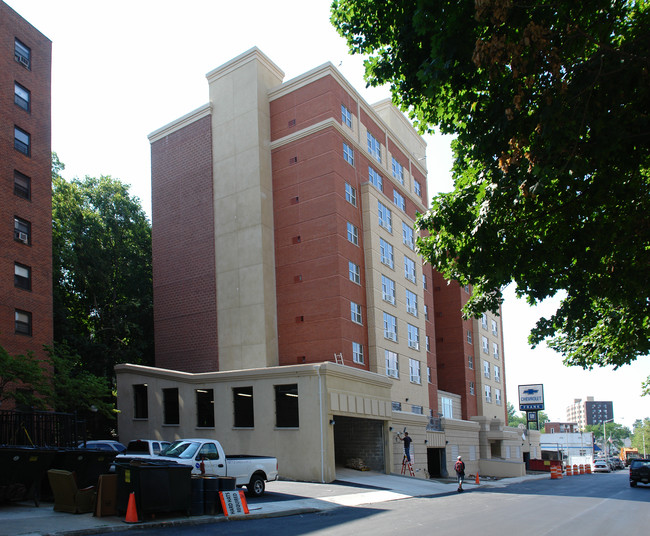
[233,503]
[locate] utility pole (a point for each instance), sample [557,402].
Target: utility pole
[605,437]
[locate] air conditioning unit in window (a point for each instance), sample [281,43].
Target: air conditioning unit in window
[23,60]
[23,237]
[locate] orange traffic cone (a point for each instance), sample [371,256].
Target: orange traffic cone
[477,480]
[131,511]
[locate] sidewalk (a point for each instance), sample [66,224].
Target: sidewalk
[282,498]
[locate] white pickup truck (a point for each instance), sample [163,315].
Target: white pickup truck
[207,456]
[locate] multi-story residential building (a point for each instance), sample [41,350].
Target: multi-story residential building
[590,412]
[25,186]
[288,293]
[469,353]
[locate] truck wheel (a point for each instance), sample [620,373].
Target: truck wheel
[255,487]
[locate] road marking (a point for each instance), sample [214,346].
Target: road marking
[357,499]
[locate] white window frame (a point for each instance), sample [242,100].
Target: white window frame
[469,336]
[447,407]
[398,171]
[417,188]
[414,371]
[472,390]
[497,396]
[399,201]
[411,303]
[484,321]
[354,272]
[408,235]
[470,362]
[388,289]
[355,313]
[495,329]
[385,216]
[428,343]
[392,364]
[350,194]
[409,269]
[353,234]
[495,350]
[346,116]
[357,353]
[386,253]
[497,373]
[374,147]
[484,345]
[375,179]
[413,336]
[390,327]
[348,154]
[488,394]
[486,369]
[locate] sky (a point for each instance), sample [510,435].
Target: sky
[122,69]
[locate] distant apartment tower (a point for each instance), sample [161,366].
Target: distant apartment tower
[25,186]
[283,233]
[590,412]
[469,353]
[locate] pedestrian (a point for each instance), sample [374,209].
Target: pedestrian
[407,445]
[459,467]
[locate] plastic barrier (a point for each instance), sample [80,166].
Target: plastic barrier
[569,471]
[588,468]
[582,469]
[556,472]
[575,469]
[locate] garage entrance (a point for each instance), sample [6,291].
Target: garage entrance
[359,438]
[437,463]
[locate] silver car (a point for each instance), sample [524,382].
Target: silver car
[602,466]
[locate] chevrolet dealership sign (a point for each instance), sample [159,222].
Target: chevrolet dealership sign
[531,397]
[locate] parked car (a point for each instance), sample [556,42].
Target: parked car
[618,463]
[639,472]
[144,448]
[602,466]
[207,456]
[102,444]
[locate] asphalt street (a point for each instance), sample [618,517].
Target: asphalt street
[602,504]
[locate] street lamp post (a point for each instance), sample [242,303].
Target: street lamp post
[605,437]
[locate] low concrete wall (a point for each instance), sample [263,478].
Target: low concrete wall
[501,468]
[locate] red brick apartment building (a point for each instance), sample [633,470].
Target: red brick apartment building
[285,271]
[25,186]
[309,221]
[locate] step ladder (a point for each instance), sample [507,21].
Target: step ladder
[338,358]
[406,464]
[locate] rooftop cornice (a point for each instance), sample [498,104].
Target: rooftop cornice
[246,57]
[180,123]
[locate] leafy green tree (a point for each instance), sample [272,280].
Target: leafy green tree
[516,420]
[550,106]
[641,436]
[74,388]
[616,432]
[102,273]
[22,379]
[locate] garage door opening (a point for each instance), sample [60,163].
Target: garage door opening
[359,439]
